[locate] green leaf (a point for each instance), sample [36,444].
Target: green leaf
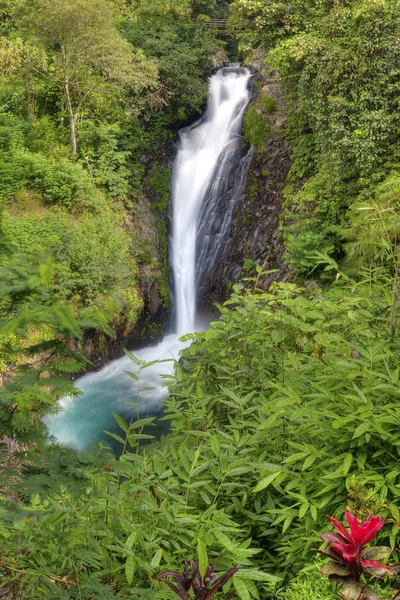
[121,422]
[287,523]
[202,557]
[266,481]
[130,568]
[225,541]
[195,459]
[157,558]
[376,553]
[303,509]
[132,357]
[141,423]
[241,588]
[310,460]
[231,394]
[257,575]
[348,459]
[314,512]
[215,444]
[132,375]
[115,436]
[362,428]
[131,540]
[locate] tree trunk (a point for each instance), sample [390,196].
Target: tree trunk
[72,117]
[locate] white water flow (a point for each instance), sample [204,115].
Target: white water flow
[205,150]
[202,147]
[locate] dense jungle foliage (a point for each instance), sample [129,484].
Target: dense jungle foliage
[287,408]
[87,90]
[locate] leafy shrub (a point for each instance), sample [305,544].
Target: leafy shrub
[61,182]
[181,48]
[93,254]
[159,180]
[310,585]
[273,411]
[248,265]
[314,216]
[100,153]
[267,102]
[44,136]
[277,378]
[256,128]
[342,116]
[10,349]
[12,131]
[305,156]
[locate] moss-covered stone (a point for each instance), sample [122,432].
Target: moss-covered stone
[256,128]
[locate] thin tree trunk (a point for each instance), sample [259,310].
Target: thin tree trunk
[72,117]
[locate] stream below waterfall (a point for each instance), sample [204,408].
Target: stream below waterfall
[211,153]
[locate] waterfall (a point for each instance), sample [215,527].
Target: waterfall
[205,149]
[208,174]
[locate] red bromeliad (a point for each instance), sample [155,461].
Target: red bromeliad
[350,559]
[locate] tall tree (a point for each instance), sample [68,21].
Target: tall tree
[89,55]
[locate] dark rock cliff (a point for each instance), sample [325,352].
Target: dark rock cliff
[254,236]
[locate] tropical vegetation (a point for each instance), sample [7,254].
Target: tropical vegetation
[287,408]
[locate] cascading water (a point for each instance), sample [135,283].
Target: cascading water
[205,150]
[209,170]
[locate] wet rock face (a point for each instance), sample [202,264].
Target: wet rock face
[153,317]
[254,236]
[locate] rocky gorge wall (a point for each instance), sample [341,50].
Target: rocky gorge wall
[254,236]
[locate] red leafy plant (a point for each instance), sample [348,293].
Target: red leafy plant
[203,588]
[350,559]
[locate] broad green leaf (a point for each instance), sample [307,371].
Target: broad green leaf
[266,481]
[362,428]
[231,394]
[132,357]
[195,459]
[157,558]
[241,588]
[377,553]
[130,568]
[115,436]
[132,375]
[215,444]
[287,523]
[131,539]
[314,512]
[348,459]
[310,460]
[121,422]
[202,557]
[141,423]
[257,575]
[303,509]
[225,541]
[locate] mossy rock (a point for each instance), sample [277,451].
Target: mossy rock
[256,128]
